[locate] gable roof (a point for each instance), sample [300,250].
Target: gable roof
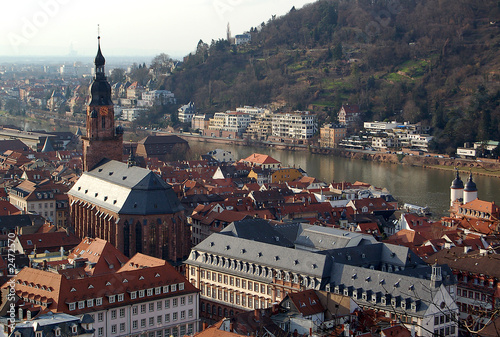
[51,241]
[260,159]
[324,238]
[259,230]
[100,256]
[306,302]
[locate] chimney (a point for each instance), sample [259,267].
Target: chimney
[231,327]
[256,314]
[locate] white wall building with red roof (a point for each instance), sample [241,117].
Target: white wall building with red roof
[125,297]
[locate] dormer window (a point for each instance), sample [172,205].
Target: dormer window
[38,334]
[112,298]
[165,289]
[141,293]
[58,331]
[74,329]
[150,292]
[120,297]
[181,286]
[173,287]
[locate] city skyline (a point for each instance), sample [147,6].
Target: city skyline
[128,29]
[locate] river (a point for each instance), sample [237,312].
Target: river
[408,184]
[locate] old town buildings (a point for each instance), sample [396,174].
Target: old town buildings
[123,296]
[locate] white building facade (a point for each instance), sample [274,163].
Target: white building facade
[297,125]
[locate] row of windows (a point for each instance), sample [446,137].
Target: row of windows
[252,269]
[151,306]
[446,331]
[121,297]
[156,291]
[179,330]
[160,319]
[470,309]
[472,294]
[235,281]
[442,319]
[238,299]
[476,281]
[46,205]
[160,304]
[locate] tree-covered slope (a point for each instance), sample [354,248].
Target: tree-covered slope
[435,61]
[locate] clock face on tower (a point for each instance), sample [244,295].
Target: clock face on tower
[103,111]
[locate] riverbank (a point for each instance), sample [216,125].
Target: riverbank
[485,167]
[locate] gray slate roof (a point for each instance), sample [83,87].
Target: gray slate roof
[49,322]
[288,259]
[402,287]
[377,255]
[126,190]
[258,230]
[324,238]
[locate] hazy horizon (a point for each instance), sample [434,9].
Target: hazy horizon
[61,28]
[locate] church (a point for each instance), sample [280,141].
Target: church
[128,206]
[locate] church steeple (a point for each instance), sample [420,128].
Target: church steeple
[100,89]
[102,139]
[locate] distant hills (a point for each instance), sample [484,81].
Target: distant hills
[434,61]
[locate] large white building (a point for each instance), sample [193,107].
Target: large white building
[251,110]
[131,114]
[380,126]
[235,122]
[296,125]
[238,270]
[186,113]
[156,97]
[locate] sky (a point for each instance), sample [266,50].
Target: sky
[127,27]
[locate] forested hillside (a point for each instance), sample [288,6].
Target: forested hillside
[434,61]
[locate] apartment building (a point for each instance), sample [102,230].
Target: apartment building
[297,125]
[331,135]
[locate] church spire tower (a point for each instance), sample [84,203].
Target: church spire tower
[102,139]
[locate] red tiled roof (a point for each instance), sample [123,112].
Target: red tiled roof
[395,331]
[141,272]
[307,302]
[215,331]
[103,256]
[368,227]
[51,241]
[351,109]
[6,208]
[482,206]
[260,159]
